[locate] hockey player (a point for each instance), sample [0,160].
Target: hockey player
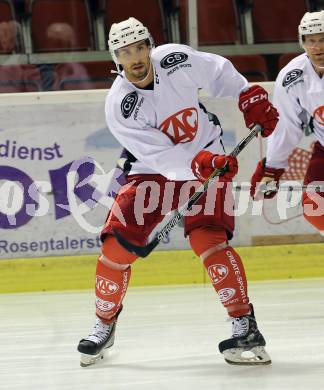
[299,96]
[154,112]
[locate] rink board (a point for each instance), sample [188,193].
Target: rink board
[161,268]
[44,211]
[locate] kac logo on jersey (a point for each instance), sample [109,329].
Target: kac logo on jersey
[128,104]
[291,77]
[173,59]
[181,126]
[319,115]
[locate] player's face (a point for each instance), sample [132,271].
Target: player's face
[314,47]
[135,59]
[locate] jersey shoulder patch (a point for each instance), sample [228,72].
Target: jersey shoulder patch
[173,59]
[128,104]
[291,76]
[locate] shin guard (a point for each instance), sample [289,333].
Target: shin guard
[112,278]
[111,287]
[224,267]
[227,275]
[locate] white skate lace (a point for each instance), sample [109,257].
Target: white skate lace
[100,332]
[240,326]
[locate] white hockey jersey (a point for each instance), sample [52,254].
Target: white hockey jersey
[165,128]
[299,98]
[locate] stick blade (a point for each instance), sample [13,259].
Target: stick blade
[141,251]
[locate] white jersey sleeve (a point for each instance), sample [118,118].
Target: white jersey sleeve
[287,99]
[217,74]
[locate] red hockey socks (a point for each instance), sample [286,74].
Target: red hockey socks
[227,275]
[111,286]
[224,267]
[112,278]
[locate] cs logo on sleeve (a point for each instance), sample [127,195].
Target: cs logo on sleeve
[291,77]
[173,59]
[128,104]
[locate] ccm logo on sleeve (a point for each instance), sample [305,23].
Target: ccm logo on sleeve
[291,76]
[128,104]
[173,59]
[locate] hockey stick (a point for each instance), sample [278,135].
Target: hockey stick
[143,251]
[264,188]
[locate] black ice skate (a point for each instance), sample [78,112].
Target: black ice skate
[246,347]
[92,348]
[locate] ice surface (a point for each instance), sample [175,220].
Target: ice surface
[167,338]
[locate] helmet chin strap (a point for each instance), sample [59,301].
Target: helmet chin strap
[116,71]
[318,69]
[317,66]
[148,73]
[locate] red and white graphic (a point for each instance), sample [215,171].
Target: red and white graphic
[253,99]
[106,286]
[225,294]
[319,115]
[217,273]
[298,161]
[104,306]
[181,126]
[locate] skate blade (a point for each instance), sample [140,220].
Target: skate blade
[89,360]
[254,357]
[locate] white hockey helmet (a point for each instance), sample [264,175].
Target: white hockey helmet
[311,23]
[125,33]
